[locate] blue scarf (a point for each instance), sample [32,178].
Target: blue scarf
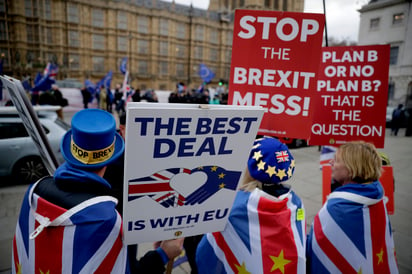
[67,173]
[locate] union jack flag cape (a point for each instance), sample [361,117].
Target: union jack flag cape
[51,239]
[51,70]
[264,234]
[351,233]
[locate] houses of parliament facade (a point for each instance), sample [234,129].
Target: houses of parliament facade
[165,42]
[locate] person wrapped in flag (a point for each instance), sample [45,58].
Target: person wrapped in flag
[266,229]
[158,187]
[352,233]
[68,222]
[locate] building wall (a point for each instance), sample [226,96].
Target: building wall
[398,35]
[87,38]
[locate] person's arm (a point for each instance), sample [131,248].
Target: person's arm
[151,262]
[154,261]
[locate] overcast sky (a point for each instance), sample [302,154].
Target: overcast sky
[342,17]
[202,4]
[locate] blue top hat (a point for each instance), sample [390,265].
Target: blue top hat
[270,161]
[92,142]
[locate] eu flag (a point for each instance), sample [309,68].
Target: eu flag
[123,65]
[205,73]
[105,81]
[90,86]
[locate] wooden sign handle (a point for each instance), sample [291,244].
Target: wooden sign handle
[169,267]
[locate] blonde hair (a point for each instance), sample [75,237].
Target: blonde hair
[362,160]
[249,183]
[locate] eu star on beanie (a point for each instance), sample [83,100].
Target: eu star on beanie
[270,161]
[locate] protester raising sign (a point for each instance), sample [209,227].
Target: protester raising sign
[352,95]
[275,61]
[182,167]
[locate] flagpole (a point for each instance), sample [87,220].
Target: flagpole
[326,27]
[128,67]
[124,86]
[190,44]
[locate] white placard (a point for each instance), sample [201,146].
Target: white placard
[183,163]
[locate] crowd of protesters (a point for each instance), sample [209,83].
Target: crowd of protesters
[356,169]
[108,97]
[51,97]
[198,96]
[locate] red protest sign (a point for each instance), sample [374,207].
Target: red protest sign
[275,59]
[352,96]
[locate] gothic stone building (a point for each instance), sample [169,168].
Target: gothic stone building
[165,42]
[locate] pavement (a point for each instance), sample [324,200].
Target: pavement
[306,182]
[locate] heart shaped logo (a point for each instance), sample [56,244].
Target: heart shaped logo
[186,184]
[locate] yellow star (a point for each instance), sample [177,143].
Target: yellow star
[360,271]
[271,170]
[290,171]
[257,155]
[41,272]
[19,271]
[200,167]
[281,173]
[292,163]
[214,168]
[221,175]
[242,269]
[279,262]
[222,185]
[380,256]
[261,165]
